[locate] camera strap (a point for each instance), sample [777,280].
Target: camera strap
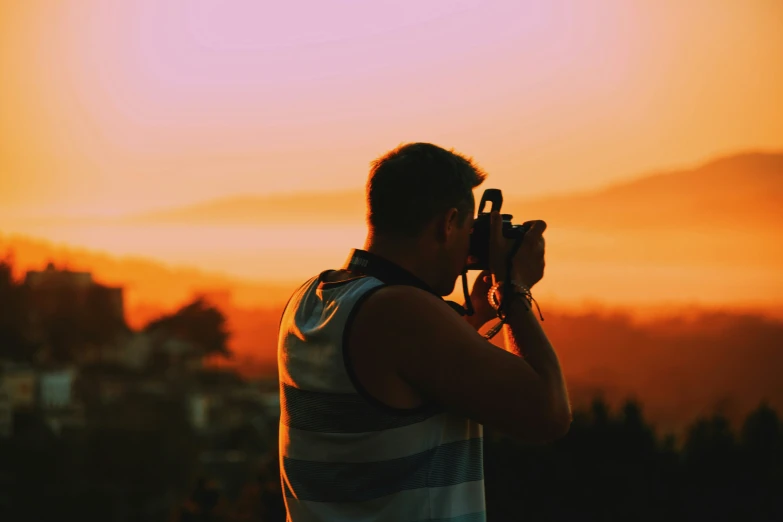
[508,288]
[390,273]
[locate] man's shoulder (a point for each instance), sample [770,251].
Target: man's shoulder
[402,299]
[394,310]
[327,288]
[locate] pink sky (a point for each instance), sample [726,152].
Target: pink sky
[110,107]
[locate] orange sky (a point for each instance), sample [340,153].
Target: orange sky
[110,107]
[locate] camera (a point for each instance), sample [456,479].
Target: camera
[479,238]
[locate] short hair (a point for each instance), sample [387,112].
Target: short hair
[411,184]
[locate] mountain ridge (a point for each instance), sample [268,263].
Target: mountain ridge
[749,183]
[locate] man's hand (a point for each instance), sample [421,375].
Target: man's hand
[482,311]
[528,264]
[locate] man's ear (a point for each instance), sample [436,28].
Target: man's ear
[447,224]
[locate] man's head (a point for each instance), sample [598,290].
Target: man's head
[420,199]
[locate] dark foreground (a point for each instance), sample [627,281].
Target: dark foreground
[611,466]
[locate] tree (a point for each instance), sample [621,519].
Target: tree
[762,451]
[199,324]
[15,342]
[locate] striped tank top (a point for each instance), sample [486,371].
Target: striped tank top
[344,456]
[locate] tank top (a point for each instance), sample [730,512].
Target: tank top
[344,456]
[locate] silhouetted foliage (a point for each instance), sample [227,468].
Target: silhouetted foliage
[139,459]
[15,341]
[677,365]
[611,466]
[199,324]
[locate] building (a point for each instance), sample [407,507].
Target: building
[48,393]
[56,389]
[20,384]
[51,276]
[46,285]
[57,402]
[93,314]
[199,405]
[135,350]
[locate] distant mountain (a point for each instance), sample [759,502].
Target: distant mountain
[734,192]
[334,207]
[707,234]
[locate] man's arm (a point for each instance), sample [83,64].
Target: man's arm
[525,337]
[446,361]
[474,322]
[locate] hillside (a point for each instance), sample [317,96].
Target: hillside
[727,214]
[299,208]
[744,190]
[147,282]
[735,193]
[678,365]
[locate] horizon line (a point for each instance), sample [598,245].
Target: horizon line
[36,214]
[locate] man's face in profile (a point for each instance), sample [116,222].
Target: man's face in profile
[456,250]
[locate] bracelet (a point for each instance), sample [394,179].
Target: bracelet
[517,289]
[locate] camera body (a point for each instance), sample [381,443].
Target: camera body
[479,238]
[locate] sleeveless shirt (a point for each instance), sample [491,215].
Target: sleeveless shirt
[344,456]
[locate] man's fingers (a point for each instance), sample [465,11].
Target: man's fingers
[533,238]
[537,227]
[497,223]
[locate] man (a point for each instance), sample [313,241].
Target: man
[384,387]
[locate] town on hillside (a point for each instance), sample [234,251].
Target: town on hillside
[75,376]
[107,422]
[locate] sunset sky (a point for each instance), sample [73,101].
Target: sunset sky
[140,138]
[117,108]
[113,107]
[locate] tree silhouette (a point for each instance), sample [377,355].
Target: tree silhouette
[610,467]
[198,324]
[15,338]
[761,478]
